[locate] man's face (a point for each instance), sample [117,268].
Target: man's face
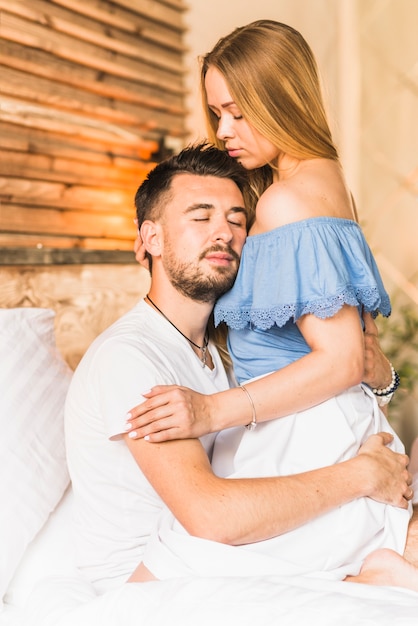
[204,229]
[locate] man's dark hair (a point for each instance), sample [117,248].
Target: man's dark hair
[201,159]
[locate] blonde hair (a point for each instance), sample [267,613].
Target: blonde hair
[273,78]
[219,334]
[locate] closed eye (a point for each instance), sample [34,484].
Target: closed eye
[238,218]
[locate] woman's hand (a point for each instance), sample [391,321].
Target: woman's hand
[170,412]
[377,371]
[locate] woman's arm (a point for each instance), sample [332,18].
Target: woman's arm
[335,363]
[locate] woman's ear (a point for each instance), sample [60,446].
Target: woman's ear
[151,236]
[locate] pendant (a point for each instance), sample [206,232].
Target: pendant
[203,359]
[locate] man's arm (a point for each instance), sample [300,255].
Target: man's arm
[238,511]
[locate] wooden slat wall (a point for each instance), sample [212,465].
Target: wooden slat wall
[89,88]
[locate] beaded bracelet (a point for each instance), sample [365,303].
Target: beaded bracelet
[253,422]
[392,387]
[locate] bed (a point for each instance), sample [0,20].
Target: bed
[39,583]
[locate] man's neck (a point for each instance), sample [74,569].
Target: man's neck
[188,316]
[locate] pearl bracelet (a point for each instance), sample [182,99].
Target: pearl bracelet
[392,387]
[253,422]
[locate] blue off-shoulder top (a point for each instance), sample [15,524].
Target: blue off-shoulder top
[312,266]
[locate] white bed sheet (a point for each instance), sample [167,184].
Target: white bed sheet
[47,591]
[220,601]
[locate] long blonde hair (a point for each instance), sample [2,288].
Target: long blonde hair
[273,78]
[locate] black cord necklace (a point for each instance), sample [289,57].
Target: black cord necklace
[203,348]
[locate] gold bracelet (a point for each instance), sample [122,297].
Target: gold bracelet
[253,422]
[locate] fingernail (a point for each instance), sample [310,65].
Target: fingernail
[146,437]
[128,416]
[132,434]
[128,426]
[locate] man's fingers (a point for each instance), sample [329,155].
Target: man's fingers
[386,437]
[370,325]
[409,494]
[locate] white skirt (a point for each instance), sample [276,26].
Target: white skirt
[331,546]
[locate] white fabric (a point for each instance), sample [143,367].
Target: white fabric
[267,601]
[34,380]
[333,545]
[413,468]
[115,508]
[69,600]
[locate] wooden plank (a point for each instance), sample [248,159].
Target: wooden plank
[64,123]
[178,4]
[41,193]
[24,86]
[59,256]
[158,11]
[26,165]
[30,139]
[114,15]
[95,224]
[88,30]
[44,64]
[130,17]
[28,240]
[43,38]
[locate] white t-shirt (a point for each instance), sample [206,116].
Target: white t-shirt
[115,507]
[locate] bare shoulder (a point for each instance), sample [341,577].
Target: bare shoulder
[282,203]
[317,189]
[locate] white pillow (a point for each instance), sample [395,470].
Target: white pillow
[50,554]
[34,379]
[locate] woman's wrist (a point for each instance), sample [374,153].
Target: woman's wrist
[228,409]
[217,415]
[384,395]
[253,424]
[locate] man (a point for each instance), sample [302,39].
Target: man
[194,225]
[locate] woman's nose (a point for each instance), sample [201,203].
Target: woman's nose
[225,129]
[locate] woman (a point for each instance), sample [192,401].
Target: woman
[294,318]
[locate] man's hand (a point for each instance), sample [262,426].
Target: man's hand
[390,481]
[377,371]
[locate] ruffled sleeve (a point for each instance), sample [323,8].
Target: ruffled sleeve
[312,266]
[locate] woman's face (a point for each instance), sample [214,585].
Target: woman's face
[242,141]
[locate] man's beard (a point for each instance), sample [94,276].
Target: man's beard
[190,280]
